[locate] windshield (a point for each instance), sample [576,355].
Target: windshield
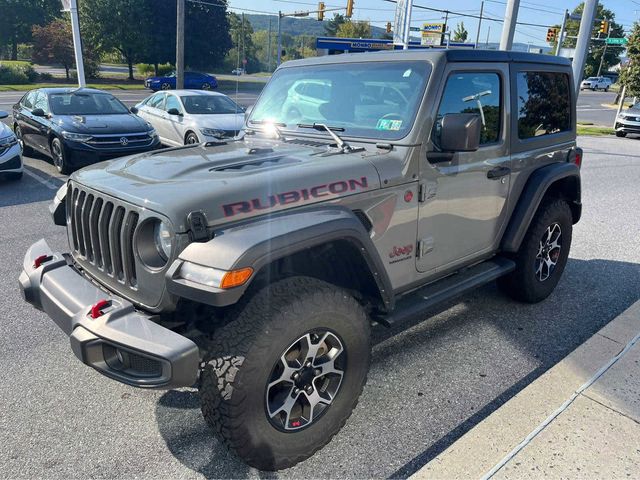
[210,105]
[375,99]
[80,103]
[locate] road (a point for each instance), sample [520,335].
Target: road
[590,108]
[430,381]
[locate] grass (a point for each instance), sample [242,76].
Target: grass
[595,130]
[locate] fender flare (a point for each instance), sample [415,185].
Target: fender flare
[258,242]
[534,191]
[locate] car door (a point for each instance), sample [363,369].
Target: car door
[464,194]
[41,125]
[174,124]
[23,118]
[153,112]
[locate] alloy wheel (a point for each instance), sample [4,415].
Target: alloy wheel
[305,380]
[206,86]
[56,150]
[548,254]
[165,86]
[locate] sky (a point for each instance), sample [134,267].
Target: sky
[379,12]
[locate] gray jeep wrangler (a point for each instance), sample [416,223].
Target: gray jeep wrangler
[368,188]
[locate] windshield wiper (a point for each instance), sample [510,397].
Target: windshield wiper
[275,126]
[342,145]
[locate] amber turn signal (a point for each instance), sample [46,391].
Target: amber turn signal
[235,278]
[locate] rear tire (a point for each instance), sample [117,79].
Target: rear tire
[542,255]
[239,396]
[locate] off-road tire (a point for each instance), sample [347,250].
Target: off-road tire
[234,379]
[522,284]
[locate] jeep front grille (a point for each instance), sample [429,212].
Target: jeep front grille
[101,234]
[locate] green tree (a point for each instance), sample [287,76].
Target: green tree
[597,46]
[331,26]
[241,33]
[53,44]
[122,25]
[355,29]
[18,16]
[207,38]
[630,75]
[460,34]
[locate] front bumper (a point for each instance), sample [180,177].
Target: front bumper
[11,159]
[627,126]
[81,154]
[122,343]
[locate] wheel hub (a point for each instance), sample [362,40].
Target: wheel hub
[305,380]
[549,249]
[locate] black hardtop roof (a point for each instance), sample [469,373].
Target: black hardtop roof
[503,56]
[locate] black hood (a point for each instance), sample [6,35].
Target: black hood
[102,124]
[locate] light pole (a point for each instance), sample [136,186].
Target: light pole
[562,29]
[584,39]
[71,6]
[509,28]
[180,46]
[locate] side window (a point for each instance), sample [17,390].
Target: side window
[172,102]
[544,103]
[157,100]
[29,99]
[41,102]
[478,93]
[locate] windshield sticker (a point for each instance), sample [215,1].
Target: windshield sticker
[387,124]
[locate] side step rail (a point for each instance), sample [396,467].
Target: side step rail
[428,297]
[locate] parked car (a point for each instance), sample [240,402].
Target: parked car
[10,152]
[596,83]
[184,117]
[253,271]
[238,71]
[628,121]
[192,80]
[78,127]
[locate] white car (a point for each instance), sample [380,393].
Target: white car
[628,121]
[596,83]
[184,117]
[10,152]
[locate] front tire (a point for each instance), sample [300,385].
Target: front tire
[26,150]
[543,254]
[621,134]
[206,86]
[59,157]
[191,139]
[286,373]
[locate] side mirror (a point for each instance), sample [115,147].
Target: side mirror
[133,110]
[37,112]
[3,114]
[174,111]
[460,132]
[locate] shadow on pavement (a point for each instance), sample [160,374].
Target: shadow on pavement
[591,293]
[29,189]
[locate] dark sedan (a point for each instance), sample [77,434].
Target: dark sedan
[192,81]
[78,127]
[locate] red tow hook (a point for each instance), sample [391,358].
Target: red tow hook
[41,259]
[96,310]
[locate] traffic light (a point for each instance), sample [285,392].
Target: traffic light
[388,27]
[551,34]
[349,8]
[320,11]
[604,26]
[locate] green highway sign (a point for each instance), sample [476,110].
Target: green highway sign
[616,41]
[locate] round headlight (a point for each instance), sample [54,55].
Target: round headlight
[162,237]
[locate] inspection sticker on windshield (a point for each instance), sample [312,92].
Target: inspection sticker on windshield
[386,124]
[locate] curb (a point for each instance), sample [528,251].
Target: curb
[483,450]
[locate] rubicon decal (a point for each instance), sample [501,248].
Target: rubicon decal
[295,196]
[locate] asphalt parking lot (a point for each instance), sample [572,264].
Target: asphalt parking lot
[430,382]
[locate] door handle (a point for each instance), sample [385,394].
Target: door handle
[498,172]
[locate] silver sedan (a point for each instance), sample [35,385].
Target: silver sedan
[183,117]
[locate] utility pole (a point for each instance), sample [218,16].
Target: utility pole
[180,46]
[269,48]
[407,24]
[606,44]
[621,104]
[71,6]
[479,24]
[486,44]
[509,28]
[279,38]
[562,29]
[582,44]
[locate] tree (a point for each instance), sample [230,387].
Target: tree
[597,47]
[630,75]
[18,16]
[331,26]
[122,25]
[356,29]
[53,44]
[241,33]
[207,38]
[460,34]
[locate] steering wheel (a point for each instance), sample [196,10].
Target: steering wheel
[394,91]
[389,116]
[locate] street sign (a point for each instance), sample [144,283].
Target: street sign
[617,41]
[431,39]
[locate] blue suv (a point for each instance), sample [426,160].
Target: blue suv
[192,81]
